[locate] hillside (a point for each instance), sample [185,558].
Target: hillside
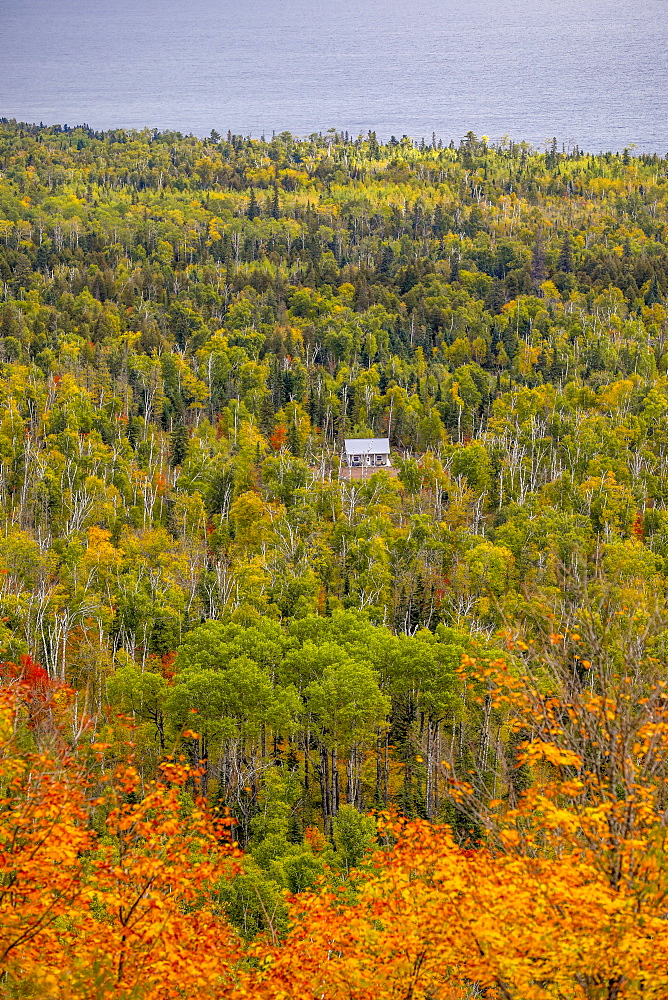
[189,329]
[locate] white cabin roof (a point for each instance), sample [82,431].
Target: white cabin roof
[367,446]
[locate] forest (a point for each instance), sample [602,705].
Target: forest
[270,731]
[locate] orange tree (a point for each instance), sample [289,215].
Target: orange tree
[106,888]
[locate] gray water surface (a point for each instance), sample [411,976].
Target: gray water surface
[590,72]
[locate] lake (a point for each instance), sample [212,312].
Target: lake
[590,72]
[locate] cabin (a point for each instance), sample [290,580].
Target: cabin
[366,453]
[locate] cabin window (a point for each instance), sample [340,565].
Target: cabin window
[355,460]
[380,460]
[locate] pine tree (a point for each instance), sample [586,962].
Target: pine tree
[253,208]
[653,295]
[293,439]
[565,259]
[178,449]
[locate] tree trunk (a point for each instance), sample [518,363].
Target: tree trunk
[325,794]
[353,783]
[334,785]
[379,769]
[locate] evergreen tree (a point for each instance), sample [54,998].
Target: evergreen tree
[253,208]
[565,259]
[178,445]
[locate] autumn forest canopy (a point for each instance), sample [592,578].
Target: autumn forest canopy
[271,731]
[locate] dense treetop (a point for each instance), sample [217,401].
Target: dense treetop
[188,330]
